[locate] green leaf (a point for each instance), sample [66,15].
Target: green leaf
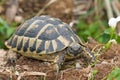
[104,38]
[107,31]
[118,39]
[5,31]
[9,31]
[114,75]
[95,72]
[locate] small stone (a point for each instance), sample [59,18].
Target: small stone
[25,67]
[18,19]
[104,62]
[78,66]
[17,73]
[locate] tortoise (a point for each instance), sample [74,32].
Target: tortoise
[47,39]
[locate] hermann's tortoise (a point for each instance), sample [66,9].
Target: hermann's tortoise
[48,39]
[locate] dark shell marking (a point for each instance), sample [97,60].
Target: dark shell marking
[14,42]
[42,35]
[33,47]
[19,47]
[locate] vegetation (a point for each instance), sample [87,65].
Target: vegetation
[114,74]
[5,32]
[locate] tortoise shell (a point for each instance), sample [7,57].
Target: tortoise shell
[42,35]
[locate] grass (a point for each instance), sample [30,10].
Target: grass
[94,72]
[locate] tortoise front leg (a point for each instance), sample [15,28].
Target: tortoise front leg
[58,61]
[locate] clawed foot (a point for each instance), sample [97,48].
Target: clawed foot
[57,67]
[11,58]
[59,60]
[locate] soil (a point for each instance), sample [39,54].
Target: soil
[106,59]
[61,9]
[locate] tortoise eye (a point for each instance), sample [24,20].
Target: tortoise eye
[80,50]
[70,49]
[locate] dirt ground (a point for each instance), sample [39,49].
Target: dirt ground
[31,69]
[107,60]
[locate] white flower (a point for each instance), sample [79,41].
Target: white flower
[113,22]
[113,41]
[118,18]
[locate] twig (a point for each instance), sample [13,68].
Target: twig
[96,7]
[79,9]
[4,76]
[117,4]
[62,72]
[11,10]
[115,8]
[109,9]
[30,73]
[72,23]
[47,5]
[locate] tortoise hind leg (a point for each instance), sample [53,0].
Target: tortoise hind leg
[58,61]
[11,57]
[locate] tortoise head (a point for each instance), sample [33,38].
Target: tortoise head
[75,49]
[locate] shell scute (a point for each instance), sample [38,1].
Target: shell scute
[41,47]
[54,21]
[50,48]
[49,34]
[26,46]
[20,44]
[14,42]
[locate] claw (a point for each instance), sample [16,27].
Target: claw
[90,55]
[57,67]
